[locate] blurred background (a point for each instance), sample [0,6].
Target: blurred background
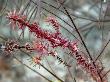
[92,18]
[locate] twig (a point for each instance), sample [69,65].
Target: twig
[74,79]
[102,51]
[33,70]
[49,65]
[78,33]
[56,16]
[82,40]
[106,73]
[45,68]
[51,73]
[42,66]
[69,70]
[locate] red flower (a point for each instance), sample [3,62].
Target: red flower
[55,40]
[53,22]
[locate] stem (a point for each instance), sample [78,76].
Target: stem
[102,51]
[51,72]
[82,40]
[49,65]
[69,70]
[78,33]
[106,73]
[65,13]
[75,79]
[33,70]
[3,38]
[39,64]
[45,68]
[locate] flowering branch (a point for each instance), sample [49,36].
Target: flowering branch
[57,41]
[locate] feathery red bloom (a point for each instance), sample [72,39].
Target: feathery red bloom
[53,22]
[16,15]
[56,40]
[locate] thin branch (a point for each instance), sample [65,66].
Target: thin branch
[66,30]
[102,51]
[3,38]
[78,33]
[65,13]
[106,73]
[106,43]
[27,4]
[69,70]
[51,73]
[74,14]
[45,68]
[81,40]
[42,65]
[3,10]
[49,65]
[56,16]
[75,79]
[33,70]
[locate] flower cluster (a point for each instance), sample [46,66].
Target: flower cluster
[86,63]
[53,22]
[58,41]
[15,15]
[11,46]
